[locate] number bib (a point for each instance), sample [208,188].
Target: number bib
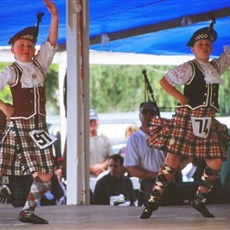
[42,138]
[201,126]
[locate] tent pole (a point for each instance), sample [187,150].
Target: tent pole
[77,102]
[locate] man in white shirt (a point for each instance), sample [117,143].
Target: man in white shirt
[142,161]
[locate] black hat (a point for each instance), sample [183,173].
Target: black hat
[29,33]
[204,33]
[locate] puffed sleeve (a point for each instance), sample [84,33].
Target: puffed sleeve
[7,77]
[223,62]
[45,55]
[179,75]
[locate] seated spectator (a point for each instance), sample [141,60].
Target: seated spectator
[131,129]
[100,147]
[114,188]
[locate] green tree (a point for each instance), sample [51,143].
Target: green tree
[122,88]
[115,88]
[224,94]
[5,94]
[52,91]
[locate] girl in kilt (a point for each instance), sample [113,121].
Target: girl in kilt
[193,133]
[26,147]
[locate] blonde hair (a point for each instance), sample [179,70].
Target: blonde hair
[131,129]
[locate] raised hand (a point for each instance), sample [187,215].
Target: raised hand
[51,7]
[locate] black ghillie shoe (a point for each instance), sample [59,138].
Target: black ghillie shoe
[200,207]
[28,216]
[149,208]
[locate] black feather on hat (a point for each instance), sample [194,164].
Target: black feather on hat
[204,33]
[29,33]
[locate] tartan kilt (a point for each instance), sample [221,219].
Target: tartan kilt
[19,154]
[176,135]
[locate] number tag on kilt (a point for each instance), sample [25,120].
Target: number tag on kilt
[201,126]
[42,138]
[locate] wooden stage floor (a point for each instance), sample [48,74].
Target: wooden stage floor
[107,217]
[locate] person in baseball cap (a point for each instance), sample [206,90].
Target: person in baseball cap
[93,114]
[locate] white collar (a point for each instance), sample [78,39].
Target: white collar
[31,76]
[210,72]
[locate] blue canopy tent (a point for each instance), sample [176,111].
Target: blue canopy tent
[155,27]
[134,26]
[158,27]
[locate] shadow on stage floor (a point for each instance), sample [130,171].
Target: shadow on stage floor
[113,217]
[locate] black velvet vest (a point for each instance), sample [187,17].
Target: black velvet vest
[198,92]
